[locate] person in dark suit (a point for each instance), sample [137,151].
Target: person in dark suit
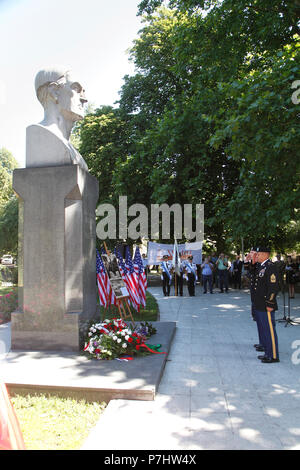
[291,276]
[251,267]
[191,273]
[166,275]
[266,286]
[237,272]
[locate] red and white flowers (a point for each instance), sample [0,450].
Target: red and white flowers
[112,338]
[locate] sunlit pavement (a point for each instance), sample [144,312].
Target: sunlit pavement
[214,394]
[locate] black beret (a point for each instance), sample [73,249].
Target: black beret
[262,249]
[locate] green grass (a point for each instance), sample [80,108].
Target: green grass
[52,423]
[149,313]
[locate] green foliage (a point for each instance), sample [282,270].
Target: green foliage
[8,274]
[7,160]
[103,143]
[147,314]
[8,303]
[8,204]
[9,226]
[7,165]
[209,117]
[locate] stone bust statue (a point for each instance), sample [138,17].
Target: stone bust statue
[47,143]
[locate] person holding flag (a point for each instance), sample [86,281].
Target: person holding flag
[166,275]
[178,270]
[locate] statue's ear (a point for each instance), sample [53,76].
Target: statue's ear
[53,91]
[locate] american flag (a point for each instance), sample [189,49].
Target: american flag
[106,294]
[125,277]
[133,279]
[141,275]
[176,259]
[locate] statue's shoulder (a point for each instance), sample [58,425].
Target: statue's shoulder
[45,148]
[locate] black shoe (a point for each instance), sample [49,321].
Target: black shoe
[257,346]
[262,357]
[260,349]
[204,292]
[268,360]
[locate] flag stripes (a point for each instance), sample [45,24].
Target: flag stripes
[133,275]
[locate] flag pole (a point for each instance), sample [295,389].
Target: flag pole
[105,247]
[175,273]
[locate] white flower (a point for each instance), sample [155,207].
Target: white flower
[123,333]
[119,340]
[127,337]
[114,338]
[124,345]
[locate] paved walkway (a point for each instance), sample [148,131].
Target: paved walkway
[215,393]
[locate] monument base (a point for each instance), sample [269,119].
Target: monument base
[69,337]
[57,258]
[74,375]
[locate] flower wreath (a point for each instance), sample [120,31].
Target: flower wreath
[111,339]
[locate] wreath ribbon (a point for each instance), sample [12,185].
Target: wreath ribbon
[154,348]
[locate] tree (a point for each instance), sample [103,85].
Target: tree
[173,134]
[263,133]
[240,59]
[8,204]
[103,141]
[9,227]
[7,165]
[207,117]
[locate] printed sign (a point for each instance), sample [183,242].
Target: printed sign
[156,251]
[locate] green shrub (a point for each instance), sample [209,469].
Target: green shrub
[9,274]
[8,303]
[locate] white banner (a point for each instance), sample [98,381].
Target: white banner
[156,251]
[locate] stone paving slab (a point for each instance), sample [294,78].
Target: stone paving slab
[214,394]
[71,374]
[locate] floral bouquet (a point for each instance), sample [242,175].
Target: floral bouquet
[113,338]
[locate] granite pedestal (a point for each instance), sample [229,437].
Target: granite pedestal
[57,258]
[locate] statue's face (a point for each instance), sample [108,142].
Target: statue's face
[71,100]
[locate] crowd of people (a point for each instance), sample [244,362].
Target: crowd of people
[223,272]
[264,277]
